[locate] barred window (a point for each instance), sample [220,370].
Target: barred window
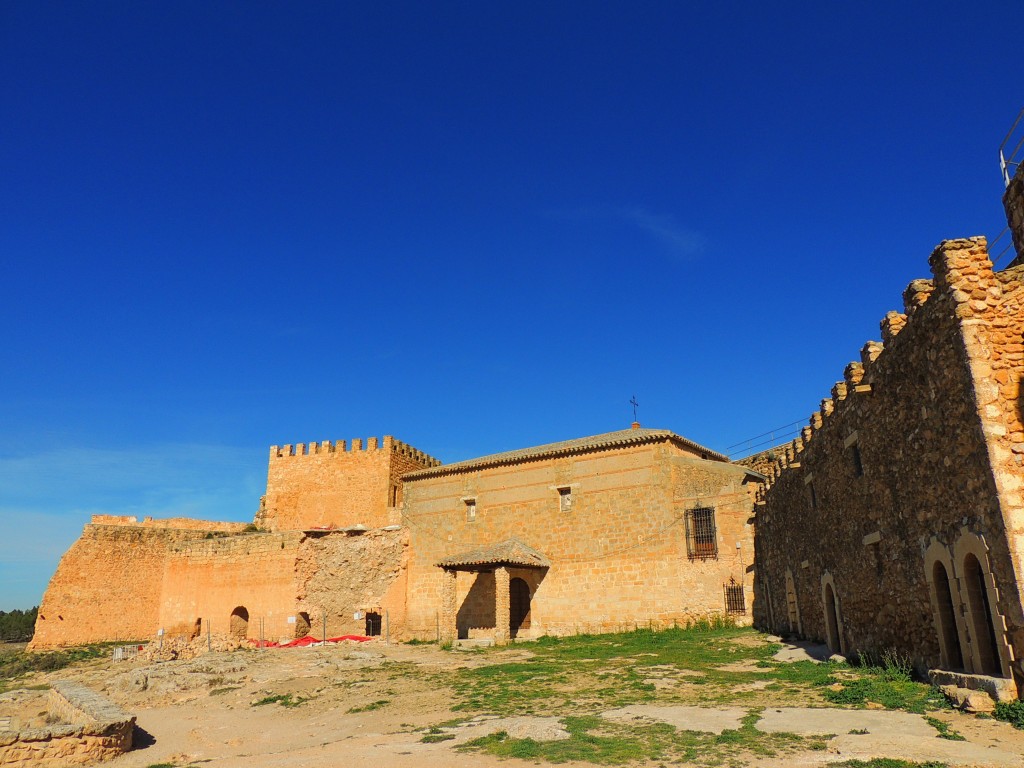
[470,510]
[701,537]
[735,600]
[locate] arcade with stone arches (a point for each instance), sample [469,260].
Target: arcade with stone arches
[965,609]
[500,582]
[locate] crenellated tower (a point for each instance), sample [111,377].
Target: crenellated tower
[337,484]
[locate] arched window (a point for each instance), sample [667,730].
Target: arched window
[949,637]
[983,631]
[833,615]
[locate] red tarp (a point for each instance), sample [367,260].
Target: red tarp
[308,640]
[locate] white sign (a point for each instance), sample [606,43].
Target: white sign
[357,615]
[291,619]
[160,632]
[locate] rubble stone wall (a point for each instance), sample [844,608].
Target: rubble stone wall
[92,729]
[619,557]
[344,574]
[913,464]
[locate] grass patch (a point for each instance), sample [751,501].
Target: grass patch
[594,740]
[891,694]
[434,738]
[14,664]
[284,699]
[370,707]
[944,729]
[1012,712]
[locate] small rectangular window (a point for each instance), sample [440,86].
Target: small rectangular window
[470,510]
[701,536]
[812,497]
[858,466]
[735,600]
[565,499]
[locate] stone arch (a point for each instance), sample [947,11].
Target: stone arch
[302,625]
[986,628]
[946,605]
[239,623]
[792,604]
[833,615]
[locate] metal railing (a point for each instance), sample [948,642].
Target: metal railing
[1010,161]
[127,652]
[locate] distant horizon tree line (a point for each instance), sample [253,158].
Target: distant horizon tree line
[18,626]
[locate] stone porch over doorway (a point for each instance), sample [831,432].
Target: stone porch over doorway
[497,585]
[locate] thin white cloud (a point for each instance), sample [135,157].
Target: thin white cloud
[680,240]
[677,240]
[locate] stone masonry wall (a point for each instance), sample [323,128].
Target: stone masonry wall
[343,574]
[619,557]
[206,580]
[333,485]
[915,459]
[107,586]
[92,729]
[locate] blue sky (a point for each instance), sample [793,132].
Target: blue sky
[474,226]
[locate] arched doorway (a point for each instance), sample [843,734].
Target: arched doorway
[983,631]
[301,624]
[948,636]
[239,623]
[519,605]
[832,635]
[197,629]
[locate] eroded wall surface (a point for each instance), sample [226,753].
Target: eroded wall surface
[343,575]
[914,460]
[619,557]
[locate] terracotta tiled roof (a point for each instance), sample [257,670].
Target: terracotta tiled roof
[508,552]
[620,439]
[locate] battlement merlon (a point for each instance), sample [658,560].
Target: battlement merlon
[962,271]
[341,447]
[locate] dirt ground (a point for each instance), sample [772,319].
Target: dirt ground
[374,702]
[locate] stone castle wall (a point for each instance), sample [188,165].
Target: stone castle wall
[206,580]
[336,485]
[914,461]
[618,558]
[126,582]
[108,585]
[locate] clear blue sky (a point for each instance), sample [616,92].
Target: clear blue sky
[474,226]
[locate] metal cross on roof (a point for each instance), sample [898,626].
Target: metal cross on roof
[634,403]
